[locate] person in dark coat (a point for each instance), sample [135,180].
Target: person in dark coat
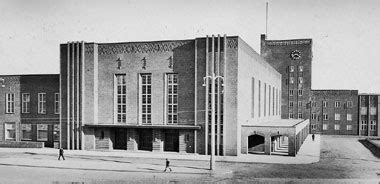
[312,137]
[168,166]
[61,154]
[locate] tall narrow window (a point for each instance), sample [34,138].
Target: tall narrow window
[10,103]
[364,125]
[56,103]
[121,95]
[325,103]
[325,126]
[372,126]
[300,92]
[41,103]
[265,99]
[300,80]
[291,80]
[25,103]
[269,99]
[325,116]
[291,92]
[300,68]
[349,117]
[259,98]
[349,104]
[56,132]
[146,98]
[253,98]
[172,98]
[273,101]
[337,104]
[291,68]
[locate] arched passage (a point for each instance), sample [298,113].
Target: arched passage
[256,144]
[279,145]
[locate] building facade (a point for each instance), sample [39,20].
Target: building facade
[369,114]
[29,109]
[158,96]
[334,112]
[293,59]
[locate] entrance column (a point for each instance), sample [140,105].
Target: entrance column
[132,139]
[267,145]
[158,145]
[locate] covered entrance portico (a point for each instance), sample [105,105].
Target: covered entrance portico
[280,137]
[155,138]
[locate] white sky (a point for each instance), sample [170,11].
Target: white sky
[345,33]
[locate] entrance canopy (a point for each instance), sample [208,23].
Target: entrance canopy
[187,127]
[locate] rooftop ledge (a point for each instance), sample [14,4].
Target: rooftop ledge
[193,127]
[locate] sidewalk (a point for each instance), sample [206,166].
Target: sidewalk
[308,153]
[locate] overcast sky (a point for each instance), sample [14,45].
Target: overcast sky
[345,33]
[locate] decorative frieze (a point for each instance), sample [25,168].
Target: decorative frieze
[288,42]
[232,43]
[89,48]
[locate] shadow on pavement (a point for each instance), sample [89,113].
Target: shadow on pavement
[374,149]
[91,169]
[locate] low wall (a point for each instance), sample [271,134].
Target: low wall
[21,144]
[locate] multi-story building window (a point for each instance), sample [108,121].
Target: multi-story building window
[300,92]
[300,80]
[336,127]
[325,116]
[349,117]
[325,103]
[349,104]
[349,127]
[10,131]
[300,68]
[372,126]
[41,103]
[259,98]
[146,98]
[299,103]
[26,131]
[291,80]
[56,103]
[300,115]
[313,103]
[337,104]
[291,92]
[42,130]
[265,99]
[313,126]
[25,103]
[291,68]
[121,98]
[364,125]
[9,103]
[363,110]
[325,126]
[337,116]
[290,104]
[313,116]
[372,111]
[252,97]
[291,116]
[172,85]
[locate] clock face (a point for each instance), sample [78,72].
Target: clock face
[296,54]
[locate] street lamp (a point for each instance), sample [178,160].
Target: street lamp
[213,77]
[2,85]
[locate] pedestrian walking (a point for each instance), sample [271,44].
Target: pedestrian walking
[61,154]
[168,165]
[312,137]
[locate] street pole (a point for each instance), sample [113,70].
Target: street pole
[212,158]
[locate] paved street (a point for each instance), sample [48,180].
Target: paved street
[343,159]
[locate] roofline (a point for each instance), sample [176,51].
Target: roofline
[334,90]
[376,94]
[147,41]
[30,74]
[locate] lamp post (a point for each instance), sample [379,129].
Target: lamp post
[213,77]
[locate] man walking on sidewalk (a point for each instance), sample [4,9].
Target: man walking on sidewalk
[61,154]
[168,165]
[312,137]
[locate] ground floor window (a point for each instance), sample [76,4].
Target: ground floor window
[325,127]
[26,131]
[373,125]
[42,132]
[336,127]
[349,127]
[364,125]
[10,131]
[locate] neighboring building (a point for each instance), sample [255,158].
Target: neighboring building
[369,114]
[152,96]
[293,59]
[29,108]
[334,112]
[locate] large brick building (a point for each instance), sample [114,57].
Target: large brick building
[154,96]
[334,112]
[29,109]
